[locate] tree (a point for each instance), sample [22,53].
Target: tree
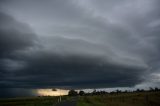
[138,90]
[81,93]
[118,91]
[156,89]
[94,92]
[72,93]
[151,89]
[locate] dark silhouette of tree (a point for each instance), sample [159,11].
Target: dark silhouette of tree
[151,89]
[138,90]
[81,93]
[125,91]
[156,89]
[118,91]
[72,93]
[94,92]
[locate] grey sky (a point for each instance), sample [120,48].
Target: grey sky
[79,43]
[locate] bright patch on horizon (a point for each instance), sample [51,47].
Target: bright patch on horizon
[50,92]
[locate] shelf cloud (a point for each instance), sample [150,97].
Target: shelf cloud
[79,44]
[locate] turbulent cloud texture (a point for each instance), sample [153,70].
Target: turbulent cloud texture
[79,43]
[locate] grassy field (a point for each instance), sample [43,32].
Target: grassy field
[123,99]
[34,101]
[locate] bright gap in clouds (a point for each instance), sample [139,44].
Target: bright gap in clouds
[51,92]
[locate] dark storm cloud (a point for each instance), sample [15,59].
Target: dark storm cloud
[13,35]
[16,92]
[79,44]
[75,69]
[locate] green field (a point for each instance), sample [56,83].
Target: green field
[122,99]
[34,101]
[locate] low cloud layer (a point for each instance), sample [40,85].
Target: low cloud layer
[79,44]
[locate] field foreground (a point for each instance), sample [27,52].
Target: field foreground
[34,101]
[122,99]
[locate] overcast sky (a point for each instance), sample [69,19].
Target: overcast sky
[79,44]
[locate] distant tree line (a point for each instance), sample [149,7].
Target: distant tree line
[82,93]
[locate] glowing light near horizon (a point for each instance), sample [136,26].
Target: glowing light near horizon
[50,92]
